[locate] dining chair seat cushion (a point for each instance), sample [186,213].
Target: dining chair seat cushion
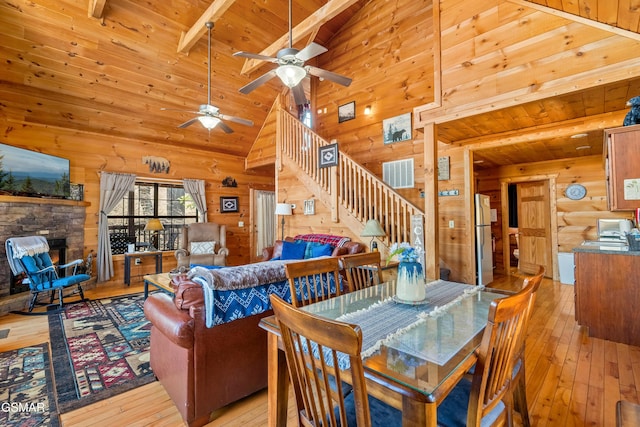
[452,412]
[382,415]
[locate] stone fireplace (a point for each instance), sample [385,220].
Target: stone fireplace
[52,218]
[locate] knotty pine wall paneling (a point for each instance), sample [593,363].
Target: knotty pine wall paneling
[394,41]
[576,219]
[90,153]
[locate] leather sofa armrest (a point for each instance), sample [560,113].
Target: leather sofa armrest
[267,253]
[176,325]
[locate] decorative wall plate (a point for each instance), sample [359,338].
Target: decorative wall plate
[575,191]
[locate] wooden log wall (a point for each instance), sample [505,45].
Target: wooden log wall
[89,154]
[489,50]
[395,41]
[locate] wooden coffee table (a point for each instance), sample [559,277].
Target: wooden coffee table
[160,281]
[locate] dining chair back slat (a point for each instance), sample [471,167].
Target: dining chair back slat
[362,270]
[312,345]
[313,280]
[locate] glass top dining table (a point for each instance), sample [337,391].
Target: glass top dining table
[413,353]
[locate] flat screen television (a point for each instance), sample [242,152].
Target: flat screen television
[32,174]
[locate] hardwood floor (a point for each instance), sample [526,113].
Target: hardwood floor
[572,380]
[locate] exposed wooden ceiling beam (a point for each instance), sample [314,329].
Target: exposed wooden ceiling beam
[303,29]
[576,18]
[543,132]
[96,8]
[212,14]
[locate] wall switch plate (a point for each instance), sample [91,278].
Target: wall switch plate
[138,261]
[452,224]
[240,223]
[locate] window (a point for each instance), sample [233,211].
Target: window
[167,202]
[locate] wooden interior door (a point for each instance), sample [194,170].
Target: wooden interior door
[534,227]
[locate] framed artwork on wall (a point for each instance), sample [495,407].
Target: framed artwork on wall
[228,204]
[396,128]
[347,112]
[328,156]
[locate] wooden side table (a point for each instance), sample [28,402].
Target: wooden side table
[127,262]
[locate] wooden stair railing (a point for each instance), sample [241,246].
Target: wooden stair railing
[356,189]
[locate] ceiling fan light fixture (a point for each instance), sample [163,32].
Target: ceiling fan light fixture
[209,122]
[291,75]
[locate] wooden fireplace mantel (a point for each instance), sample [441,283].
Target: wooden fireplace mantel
[42,200]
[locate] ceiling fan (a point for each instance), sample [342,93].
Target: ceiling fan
[209,115]
[291,69]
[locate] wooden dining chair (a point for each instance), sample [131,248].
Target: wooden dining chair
[488,398]
[362,270]
[321,353]
[518,380]
[313,280]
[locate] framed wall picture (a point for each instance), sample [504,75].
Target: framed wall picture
[397,128]
[347,112]
[328,156]
[228,204]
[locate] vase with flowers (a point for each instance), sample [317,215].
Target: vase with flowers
[410,285]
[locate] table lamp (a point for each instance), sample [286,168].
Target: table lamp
[283,209]
[154,225]
[373,229]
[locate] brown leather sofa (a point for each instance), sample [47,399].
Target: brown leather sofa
[203,369]
[347,248]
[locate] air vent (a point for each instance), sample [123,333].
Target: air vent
[398,174]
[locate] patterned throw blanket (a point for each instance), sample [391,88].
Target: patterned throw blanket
[242,276]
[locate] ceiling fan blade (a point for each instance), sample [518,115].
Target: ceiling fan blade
[224,127]
[188,123]
[257,82]
[324,74]
[236,120]
[256,56]
[298,94]
[311,51]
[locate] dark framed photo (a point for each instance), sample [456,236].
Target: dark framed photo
[347,112]
[228,204]
[328,155]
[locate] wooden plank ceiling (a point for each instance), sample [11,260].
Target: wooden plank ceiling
[588,111]
[109,67]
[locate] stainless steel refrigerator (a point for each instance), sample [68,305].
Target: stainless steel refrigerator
[484,243]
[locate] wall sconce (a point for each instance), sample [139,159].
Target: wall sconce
[367,110]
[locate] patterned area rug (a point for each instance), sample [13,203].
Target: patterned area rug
[100,349]
[26,388]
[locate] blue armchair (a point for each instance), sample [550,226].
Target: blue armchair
[30,255]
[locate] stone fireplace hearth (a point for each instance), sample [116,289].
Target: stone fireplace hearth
[51,218]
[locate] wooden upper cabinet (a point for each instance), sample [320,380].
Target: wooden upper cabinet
[622,166]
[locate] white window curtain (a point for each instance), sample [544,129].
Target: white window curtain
[266,220]
[195,187]
[113,187]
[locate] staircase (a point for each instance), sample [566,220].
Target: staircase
[353,194]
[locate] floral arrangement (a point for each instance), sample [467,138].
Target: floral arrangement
[404,251]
